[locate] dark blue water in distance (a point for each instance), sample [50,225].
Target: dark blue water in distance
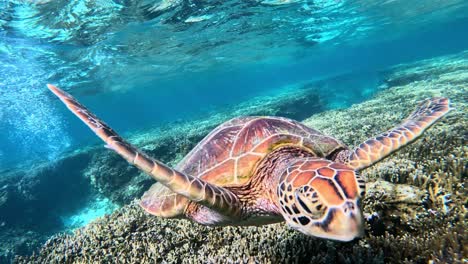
[144,64]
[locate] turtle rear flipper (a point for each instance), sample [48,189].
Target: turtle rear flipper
[161,201]
[375,149]
[214,197]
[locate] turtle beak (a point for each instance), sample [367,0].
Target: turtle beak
[338,224]
[348,223]
[357,225]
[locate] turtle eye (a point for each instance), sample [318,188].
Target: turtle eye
[361,185]
[308,199]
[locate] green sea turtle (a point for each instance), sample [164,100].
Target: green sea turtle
[262,170]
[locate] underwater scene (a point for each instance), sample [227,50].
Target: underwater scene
[259,131]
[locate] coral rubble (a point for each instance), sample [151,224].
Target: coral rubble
[415,204]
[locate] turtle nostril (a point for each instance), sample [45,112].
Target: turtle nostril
[349,207]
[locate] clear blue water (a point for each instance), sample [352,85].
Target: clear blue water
[142,64]
[164,60]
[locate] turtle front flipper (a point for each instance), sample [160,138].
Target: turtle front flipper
[214,197]
[375,149]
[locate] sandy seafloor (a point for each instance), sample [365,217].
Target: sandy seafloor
[415,204]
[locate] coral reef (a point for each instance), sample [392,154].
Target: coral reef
[417,215]
[131,236]
[38,197]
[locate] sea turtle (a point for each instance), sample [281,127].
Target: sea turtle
[262,170]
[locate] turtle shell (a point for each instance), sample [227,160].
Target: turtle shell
[229,154]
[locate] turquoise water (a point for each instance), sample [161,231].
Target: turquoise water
[144,65]
[178,58]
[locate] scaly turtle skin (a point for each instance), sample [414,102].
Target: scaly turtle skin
[261,170]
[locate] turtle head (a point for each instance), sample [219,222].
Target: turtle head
[322,198]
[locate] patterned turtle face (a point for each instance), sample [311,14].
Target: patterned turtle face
[322,198]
